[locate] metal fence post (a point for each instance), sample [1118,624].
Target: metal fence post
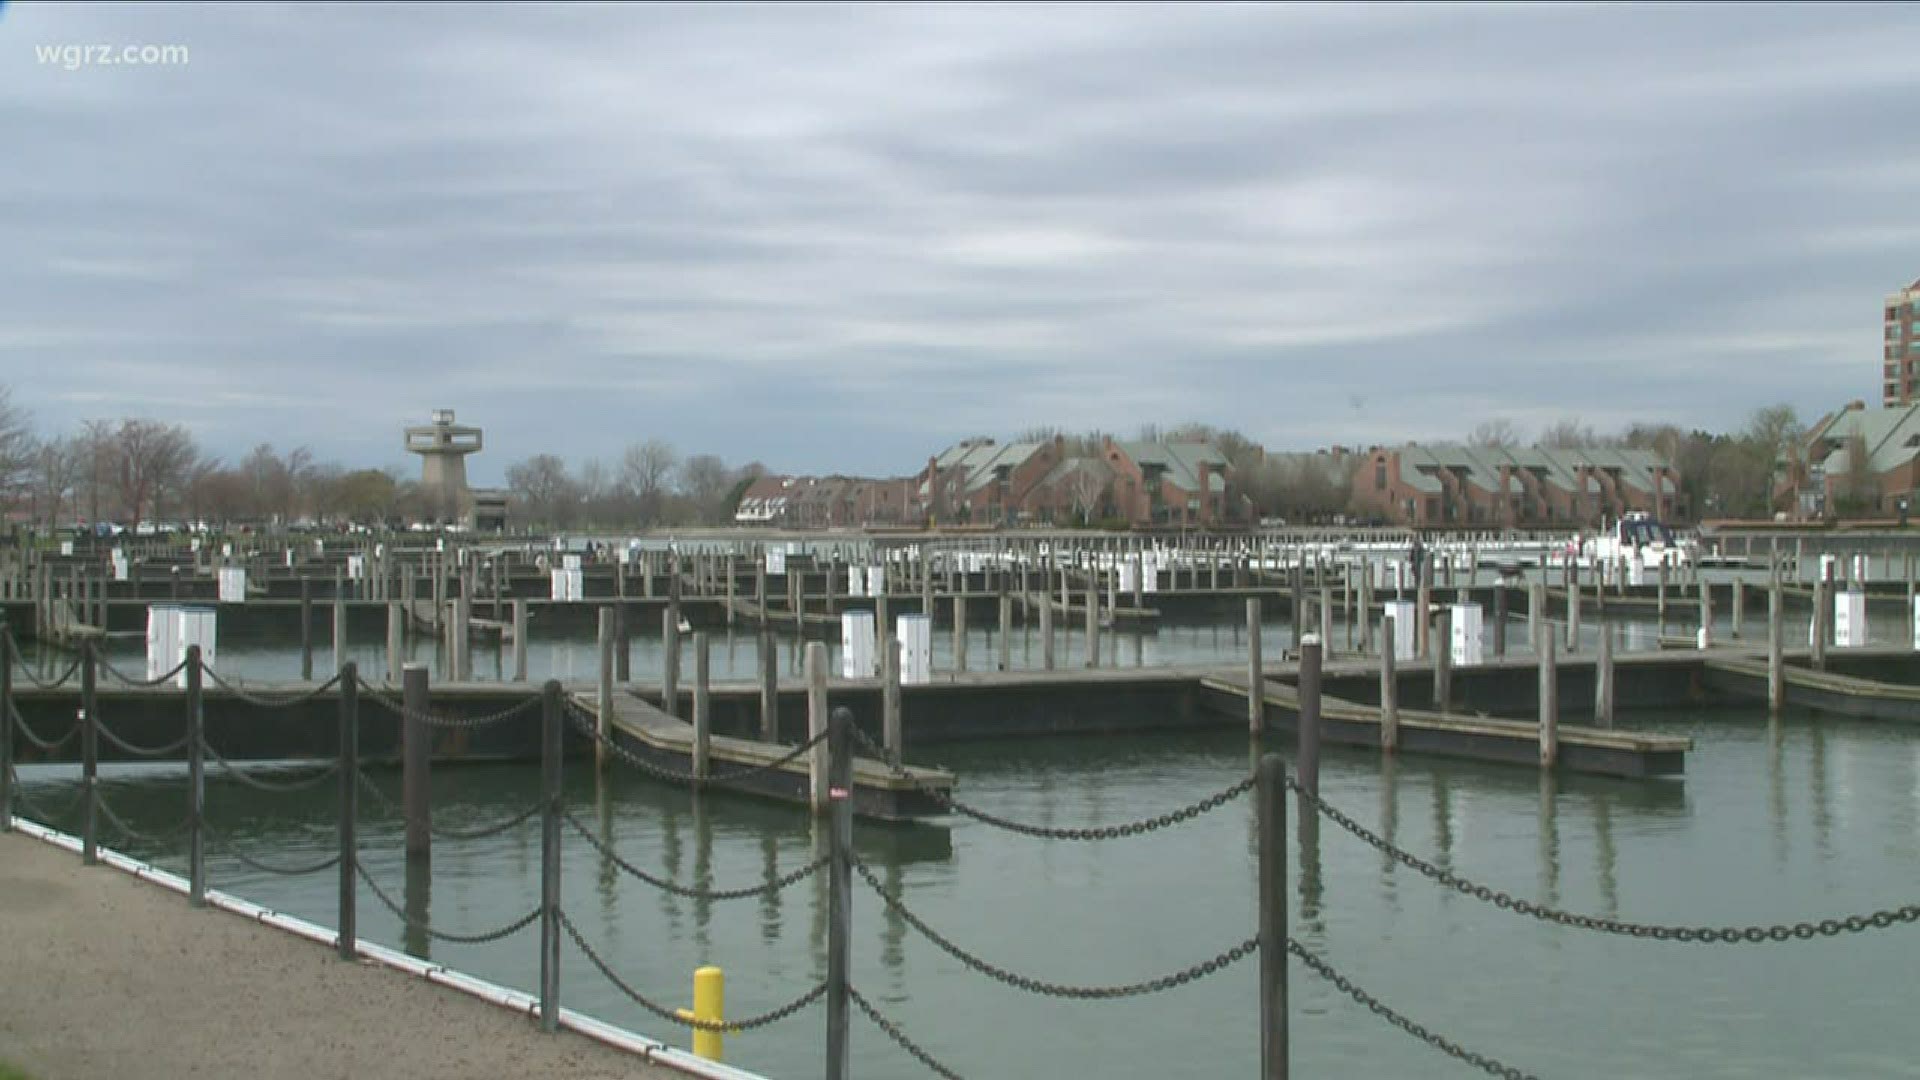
[349,803]
[6,726]
[90,758]
[1272,793]
[196,780]
[550,747]
[839,887]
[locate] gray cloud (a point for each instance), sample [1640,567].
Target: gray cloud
[835,238]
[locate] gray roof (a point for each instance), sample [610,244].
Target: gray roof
[1561,467]
[1181,461]
[1891,437]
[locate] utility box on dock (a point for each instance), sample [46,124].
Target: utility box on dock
[233,584]
[1850,619]
[876,581]
[915,634]
[356,568]
[1403,629]
[857,645]
[776,561]
[856,582]
[1468,650]
[568,584]
[171,628]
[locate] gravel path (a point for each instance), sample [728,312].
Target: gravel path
[109,978]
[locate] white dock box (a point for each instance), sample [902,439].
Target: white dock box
[233,584]
[1468,649]
[568,584]
[776,561]
[876,581]
[915,634]
[1850,619]
[171,628]
[1403,620]
[857,645]
[856,581]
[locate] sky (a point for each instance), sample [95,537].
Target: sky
[839,238]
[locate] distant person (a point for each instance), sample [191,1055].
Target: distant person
[1416,557]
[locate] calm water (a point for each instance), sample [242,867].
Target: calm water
[1804,817]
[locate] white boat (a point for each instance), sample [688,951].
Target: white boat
[1639,542]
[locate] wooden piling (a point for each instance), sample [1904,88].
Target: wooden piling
[1443,662]
[1776,665]
[396,639]
[959,632]
[519,608]
[416,783]
[605,687]
[1549,704]
[1308,754]
[1256,672]
[1603,689]
[702,708]
[890,727]
[306,628]
[1389,689]
[1006,630]
[816,671]
[1093,622]
[1046,631]
[769,687]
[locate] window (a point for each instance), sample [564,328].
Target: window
[1380,476]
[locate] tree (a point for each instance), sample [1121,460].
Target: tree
[56,471]
[704,481]
[153,462]
[1566,434]
[364,495]
[1499,434]
[545,491]
[17,448]
[643,472]
[96,472]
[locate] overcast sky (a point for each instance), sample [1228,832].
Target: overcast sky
[839,238]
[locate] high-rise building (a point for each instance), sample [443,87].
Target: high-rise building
[1901,382]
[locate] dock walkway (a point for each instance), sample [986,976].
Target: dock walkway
[109,976]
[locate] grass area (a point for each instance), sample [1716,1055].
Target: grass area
[11,1072]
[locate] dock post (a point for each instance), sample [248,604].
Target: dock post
[416,790]
[1661,598]
[839,887]
[669,662]
[1365,613]
[1272,792]
[1046,630]
[1821,608]
[1776,673]
[816,669]
[729,572]
[1389,689]
[759,586]
[1309,752]
[1006,628]
[1573,607]
[550,748]
[1326,617]
[959,632]
[891,733]
[603,698]
[1536,610]
[1603,682]
[1423,618]
[339,626]
[196,781]
[622,641]
[519,640]
[90,755]
[1093,623]
[702,708]
[1549,704]
[396,631]
[306,628]
[349,805]
[1499,619]
[1443,663]
[1706,616]
[769,687]
[1256,682]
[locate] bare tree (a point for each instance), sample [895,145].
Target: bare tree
[643,472]
[705,481]
[545,490]
[57,465]
[96,449]
[1566,434]
[17,446]
[1500,434]
[154,461]
[1086,488]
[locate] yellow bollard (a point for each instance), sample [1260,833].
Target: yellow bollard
[709,1006]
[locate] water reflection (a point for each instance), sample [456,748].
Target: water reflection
[1549,830]
[1312,888]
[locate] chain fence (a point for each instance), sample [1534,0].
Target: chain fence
[34,737]
[673,1016]
[508,930]
[162,836]
[40,812]
[1201,970]
[1046,832]
[26,670]
[893,1032]
[224,844]
[585,722]
[400,709]
[1708,935]
[1376,1007]
[258,701]
[132,680]
[766,889]
[244,776]
[137,750]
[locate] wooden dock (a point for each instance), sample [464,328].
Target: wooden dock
[1827,691]
[1600,751]
[641,728]
[426,618]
